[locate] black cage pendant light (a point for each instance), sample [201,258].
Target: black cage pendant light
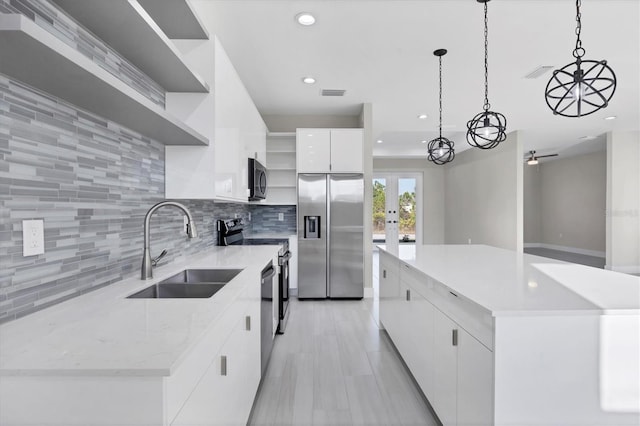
[487,129]
[440,149]
[581,87]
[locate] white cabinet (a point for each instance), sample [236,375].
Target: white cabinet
[329,150]
[313,150]
[444,397]
[228,117]
[453,369]
[475,381]
[346,150]
[225,393]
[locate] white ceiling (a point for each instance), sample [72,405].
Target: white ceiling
[380,51]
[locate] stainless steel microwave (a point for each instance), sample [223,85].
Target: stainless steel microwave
[257,180]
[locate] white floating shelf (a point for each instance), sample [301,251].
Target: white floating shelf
[32,55]
[127,27]
[177,18]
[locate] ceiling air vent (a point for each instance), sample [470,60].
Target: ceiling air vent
[332,92]
[538,71]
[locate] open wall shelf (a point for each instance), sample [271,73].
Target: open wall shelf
[32,55]
[176,18]
[127,27]
[281,163]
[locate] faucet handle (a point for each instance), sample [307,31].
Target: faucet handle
[154,262]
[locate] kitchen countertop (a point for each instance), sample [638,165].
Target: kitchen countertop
[105,334]
[254,235]
[509,283]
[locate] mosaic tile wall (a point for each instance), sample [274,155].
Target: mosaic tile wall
[264,219]
[53,19]
[92,181]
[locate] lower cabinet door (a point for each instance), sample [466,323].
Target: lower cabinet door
[475,382]
[445,369]
[225,393]
[419,356]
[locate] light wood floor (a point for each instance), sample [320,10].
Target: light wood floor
[334,366]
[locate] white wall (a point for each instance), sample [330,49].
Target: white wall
[532,206]
[484,196]
[623,202]
[432,193]
[366,122]
[571,204]
[289,123]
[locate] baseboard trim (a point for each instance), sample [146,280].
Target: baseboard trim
[630,269]
[593,253]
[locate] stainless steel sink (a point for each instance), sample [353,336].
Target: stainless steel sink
[190,276]
[190,283]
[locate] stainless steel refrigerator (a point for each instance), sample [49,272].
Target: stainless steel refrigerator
[330,236]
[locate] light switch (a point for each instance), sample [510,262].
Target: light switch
[280,217]
[32,237]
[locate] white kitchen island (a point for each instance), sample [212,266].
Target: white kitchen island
[497,337]
[103,359]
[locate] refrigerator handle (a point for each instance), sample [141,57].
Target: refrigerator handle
[312,227]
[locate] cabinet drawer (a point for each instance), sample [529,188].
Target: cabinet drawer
[476,320]
[389,264]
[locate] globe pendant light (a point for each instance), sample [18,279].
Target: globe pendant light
[487,129]
[440,149]
[581,87]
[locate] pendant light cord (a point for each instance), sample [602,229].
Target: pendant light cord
[486,58]
[440,59]
[579,51]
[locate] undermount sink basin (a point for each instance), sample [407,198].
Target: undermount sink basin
[189,284]
[195,276]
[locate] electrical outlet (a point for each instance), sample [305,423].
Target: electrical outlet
[237,215]
[32,237]
[469,240]
[280,217]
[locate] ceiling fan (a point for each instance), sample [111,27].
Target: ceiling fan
[532,160]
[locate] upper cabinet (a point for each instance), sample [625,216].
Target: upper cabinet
[228,117]
[329,150]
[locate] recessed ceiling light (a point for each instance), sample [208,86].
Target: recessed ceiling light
[587,138]
[423,141]
[305,18]
[308,80]
[611,117]
[379,141]
[422,116]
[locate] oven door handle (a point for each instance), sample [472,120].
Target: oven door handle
[284,258]
[268,275]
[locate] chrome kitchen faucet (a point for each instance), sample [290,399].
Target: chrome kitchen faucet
[147,262]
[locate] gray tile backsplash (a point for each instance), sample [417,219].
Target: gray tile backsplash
[57,22]
[264,219]
[92,181]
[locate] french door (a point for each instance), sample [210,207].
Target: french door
[397,206]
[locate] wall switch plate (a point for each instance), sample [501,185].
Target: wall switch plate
[32,237]
[237,215]
[280,217]
[249,216]
[469,240]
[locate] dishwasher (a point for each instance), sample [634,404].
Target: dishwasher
[266,315]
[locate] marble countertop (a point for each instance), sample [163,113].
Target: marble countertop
[509,283]
[254,235]
[104,333]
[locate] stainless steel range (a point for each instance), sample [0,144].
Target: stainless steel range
[230,232]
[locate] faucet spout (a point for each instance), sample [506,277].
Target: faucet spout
[147,263]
